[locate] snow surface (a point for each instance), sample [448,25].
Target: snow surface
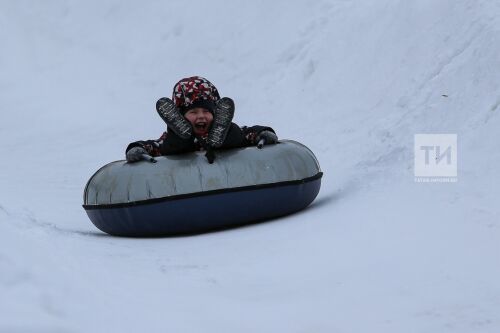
[353,80]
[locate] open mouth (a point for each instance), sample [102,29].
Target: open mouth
[201,126]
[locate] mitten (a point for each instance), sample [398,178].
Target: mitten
[137,154]
[266,138]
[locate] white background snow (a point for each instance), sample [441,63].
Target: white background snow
[353,80]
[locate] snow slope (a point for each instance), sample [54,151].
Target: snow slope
[353,80]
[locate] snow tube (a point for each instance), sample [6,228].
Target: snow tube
[184,194]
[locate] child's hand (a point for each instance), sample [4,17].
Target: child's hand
[266,138]
[138,154]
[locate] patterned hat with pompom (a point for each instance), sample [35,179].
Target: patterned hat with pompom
[193,92]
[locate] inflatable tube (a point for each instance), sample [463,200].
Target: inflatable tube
[184,194]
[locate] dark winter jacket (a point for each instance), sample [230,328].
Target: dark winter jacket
[169,143]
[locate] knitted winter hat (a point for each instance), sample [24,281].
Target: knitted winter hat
[193,92]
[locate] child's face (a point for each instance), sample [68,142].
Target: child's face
[200,119]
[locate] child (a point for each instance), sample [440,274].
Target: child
[198,119]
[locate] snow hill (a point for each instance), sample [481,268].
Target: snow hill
[353,80]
